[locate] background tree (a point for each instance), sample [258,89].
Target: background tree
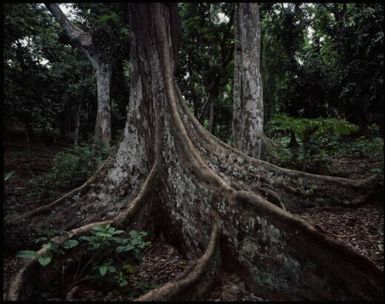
[248,97]
[38,72]
[318,56]
[100,51]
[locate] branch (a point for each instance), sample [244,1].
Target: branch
[77,36]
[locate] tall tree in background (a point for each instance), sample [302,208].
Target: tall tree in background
[102,65]
[172,177]
[42,89]
[248,99]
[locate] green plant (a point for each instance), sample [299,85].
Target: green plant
[112,256]
[44,260]
[46,235]
[71,168]
[52,247]
[123,252]
[307,129]
[318,140]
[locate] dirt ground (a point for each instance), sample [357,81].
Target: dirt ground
[359,227]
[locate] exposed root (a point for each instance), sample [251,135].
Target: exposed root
[21,287]
[296,188]
[18,219]
[197,282]
[72,292]
[123,218]
[312,246]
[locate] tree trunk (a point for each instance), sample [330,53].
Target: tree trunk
[248,101]
[103,115]
[28,138]
[102,67]
[62,127]
[77,126]
[208,199]
[211,117]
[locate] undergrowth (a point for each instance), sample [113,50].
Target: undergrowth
[311,144]
[71,168]
[108,256]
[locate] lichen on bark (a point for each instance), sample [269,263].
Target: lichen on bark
[248,97]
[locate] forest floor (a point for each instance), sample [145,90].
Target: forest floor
[359,227]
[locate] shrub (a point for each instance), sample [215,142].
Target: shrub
[73,166]
[318,140]
[112,253]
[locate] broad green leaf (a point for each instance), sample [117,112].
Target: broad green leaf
[103,269]
[44,260]
[125,248]
[70,244]
[111,269]
[26,254]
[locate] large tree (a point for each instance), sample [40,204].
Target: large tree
[212,202]
[102,64]
[248,98]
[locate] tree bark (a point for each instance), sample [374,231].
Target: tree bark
[77,126]
[28,137]
[248,101]
[211,117]
[103,115]
[208,199]
[102,67]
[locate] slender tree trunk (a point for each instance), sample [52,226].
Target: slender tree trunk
[103,115]
[62,128]
[248,100]
[210,200]
[77,126]
[211,117]
[102,67]
[28,137]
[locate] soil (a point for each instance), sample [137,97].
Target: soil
[17,188]
[354,166]
[359,227]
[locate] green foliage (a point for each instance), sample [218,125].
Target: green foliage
[368,147]
[205,61]
[70,244]
[105,21]
[46,235]
[39,74]
[318,140]
[307,129]
[26,254]
[102,236]
[107,241]
[114,254]
[43,260]
[71,168]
